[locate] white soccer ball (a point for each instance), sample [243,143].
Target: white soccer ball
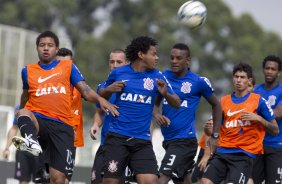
[192,13]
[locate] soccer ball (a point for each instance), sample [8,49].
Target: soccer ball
[192,13]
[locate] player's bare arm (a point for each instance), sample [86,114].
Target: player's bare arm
[278,112]
[208,127]
[270,126]
[173,100]
[160,119]
[91,96]
[216,112]
[217,117]
[113,88]
[207,154]
[97,123]
[11,133]
[24,98]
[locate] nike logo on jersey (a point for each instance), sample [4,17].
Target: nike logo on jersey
[229,113]
[40,80]
[76,112]
[124,80]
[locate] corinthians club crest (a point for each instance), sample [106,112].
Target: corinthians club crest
[113,166]
[186,87]
[271,100]
[148,83]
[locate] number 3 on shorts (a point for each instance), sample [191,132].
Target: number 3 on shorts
[171,159]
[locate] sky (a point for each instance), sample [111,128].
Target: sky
[267,13]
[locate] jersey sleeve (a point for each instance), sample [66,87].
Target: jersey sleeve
[24,78]
[206,87]
[265,110]
[169,87]
[111,79]
[15,122]
[76,76]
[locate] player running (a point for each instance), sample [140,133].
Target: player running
[180,140]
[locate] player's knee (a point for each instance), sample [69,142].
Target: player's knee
[163,179]
[147,178]
[110,181]
[57,177]
[58,180]
[24,112]
[250,181]
[206,181]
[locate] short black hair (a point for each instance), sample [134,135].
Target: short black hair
[48,34]
[244,67]
[182,46]
[142,43]
[64,52]
[274,59]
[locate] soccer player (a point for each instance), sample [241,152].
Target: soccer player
[117,58]
[269,165]
[251,89]
[47,96]
[129,134]
[66,54]
[246,117]
[180,140]
[76,105]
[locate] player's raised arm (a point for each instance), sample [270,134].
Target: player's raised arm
[113,88]
[91,96]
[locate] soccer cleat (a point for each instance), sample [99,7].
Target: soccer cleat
[27,144]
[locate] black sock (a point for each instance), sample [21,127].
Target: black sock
[27,127]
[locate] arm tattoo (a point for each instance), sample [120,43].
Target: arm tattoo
[83,88]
